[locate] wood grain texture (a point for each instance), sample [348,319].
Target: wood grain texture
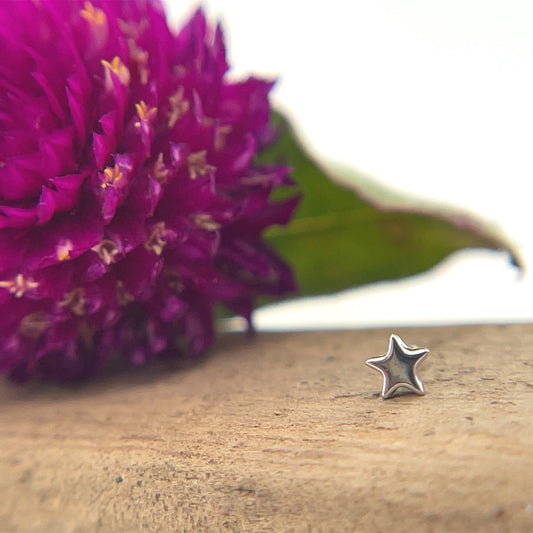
[282,432]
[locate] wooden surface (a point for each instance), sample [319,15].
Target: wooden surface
[283,432]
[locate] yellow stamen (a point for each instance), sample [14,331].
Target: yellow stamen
[34,324]
[19,285]
[145,113]
[156,242]
[111,176]
[159,170]
[93,15]
[107,251]
[139,56]
[178,107]
[220,136]
[63,250]
[75,301]
[198,165]
[117,67]
[205,221]
[133,29]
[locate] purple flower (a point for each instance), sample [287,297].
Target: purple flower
[130,198]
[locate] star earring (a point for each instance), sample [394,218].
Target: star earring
[399,367]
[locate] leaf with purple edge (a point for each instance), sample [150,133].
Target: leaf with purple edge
[350,231]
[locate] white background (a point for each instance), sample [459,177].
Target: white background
[433,97]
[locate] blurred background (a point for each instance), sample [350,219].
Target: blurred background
[434,99]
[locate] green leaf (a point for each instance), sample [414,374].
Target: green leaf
[343,237]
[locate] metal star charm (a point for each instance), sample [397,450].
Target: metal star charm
[399,367]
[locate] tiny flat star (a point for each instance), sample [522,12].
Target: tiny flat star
[399,367]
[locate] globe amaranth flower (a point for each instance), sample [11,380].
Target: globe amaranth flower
[130,198]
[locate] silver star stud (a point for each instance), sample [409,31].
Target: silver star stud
[399,367]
